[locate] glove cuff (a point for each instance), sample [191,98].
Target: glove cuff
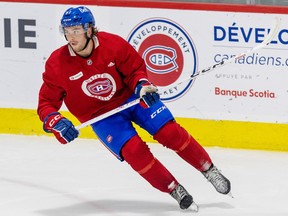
[50,120]
[144,86]
[140,85]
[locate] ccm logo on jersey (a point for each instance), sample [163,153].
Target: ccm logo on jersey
[158,111]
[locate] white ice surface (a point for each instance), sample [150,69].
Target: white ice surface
[39,177]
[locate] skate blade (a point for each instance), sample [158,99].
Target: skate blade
[230,194]
[194,207]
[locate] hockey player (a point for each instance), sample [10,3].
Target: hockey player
[99,71]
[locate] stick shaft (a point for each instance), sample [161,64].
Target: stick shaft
[109,113]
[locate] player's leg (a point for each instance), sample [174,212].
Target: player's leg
[138,155]
[119,136]
[159,122]
[173,136]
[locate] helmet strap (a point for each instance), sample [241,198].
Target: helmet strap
[87,41]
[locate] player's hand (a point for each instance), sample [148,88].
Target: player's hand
[62,128]
[147,92]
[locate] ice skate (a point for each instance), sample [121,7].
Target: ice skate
[219,181]
[184,199]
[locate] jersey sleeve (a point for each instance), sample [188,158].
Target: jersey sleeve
[51,94]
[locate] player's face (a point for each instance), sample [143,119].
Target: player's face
[76,37]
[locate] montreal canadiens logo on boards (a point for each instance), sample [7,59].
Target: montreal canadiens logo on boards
[169,53]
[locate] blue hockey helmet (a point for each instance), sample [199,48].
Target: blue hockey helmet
[78,16]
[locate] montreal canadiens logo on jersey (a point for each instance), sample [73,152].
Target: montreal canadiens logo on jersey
[169,54]
[100,86]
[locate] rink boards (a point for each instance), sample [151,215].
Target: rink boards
[241,105]
[218,133]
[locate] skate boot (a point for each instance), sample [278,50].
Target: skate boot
[184,199]
[219,181]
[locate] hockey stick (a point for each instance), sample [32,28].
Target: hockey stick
[265,42]
[109,113]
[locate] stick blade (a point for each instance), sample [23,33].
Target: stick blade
[274,30]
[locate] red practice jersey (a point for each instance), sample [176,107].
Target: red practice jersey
[94,85]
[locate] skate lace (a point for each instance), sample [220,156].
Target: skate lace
[215,177]
[184,199]
[179,192]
